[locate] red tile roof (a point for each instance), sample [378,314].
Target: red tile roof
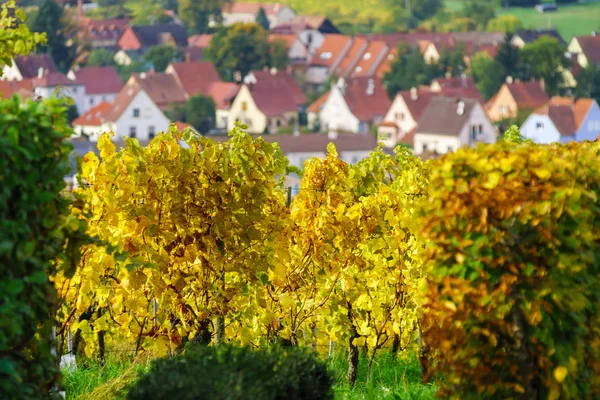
[110,29]
[459,87]
[29,65]
[99,80]
[287,82]
[441,116]
[223,94]
[567,114]
[51,79]
[364,105]
[591,47]
[125,96]
[94,116]
[181,125]
[288,38]
[386,64]
[163,89]
[275,94]
[331,49]
[195,77]
[528,94]
[352,57]
[23,89]
[201,41]
[372,56]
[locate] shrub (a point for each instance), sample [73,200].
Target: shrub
[227,372]
[33,163]
[513,303]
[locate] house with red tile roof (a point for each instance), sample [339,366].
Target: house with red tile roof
[47,84]
[514,97]
[302,41]
[23,89]
[101,84]
[352,105]
[586,49]
[245,12]
[403,115]
[327,59]
[563,120]
[141,37]
[103,34]
[194,77]
[89,124]
[373,56]
[223,94]
[462,86]
[27,67]
[352,56]
[267,101]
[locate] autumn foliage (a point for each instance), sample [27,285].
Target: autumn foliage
[512,304]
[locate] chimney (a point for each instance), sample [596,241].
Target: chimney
[414,94]
[273,71]
[143,75]
[40,74]
[543,83]
[448,75]
[509,79]
[460,107]
[370,87]
[463,79]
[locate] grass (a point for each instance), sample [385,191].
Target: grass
[392,378]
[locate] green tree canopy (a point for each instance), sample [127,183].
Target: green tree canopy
[408,70]
[481,11]
[278,53]
[487,73]
[545,58]
[160,56]
[588,83]
[198,14]
[504,23]
[509,57]
[100,58]
[262,20]
[200,113]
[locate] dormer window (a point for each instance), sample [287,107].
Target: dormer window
[326,55]
[367,56]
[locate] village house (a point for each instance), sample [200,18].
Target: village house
[528,36]
[586,49]
[326,60]
[267,101]
[400,121]
[27,67]
[563,120]
[237,11]
[137,39]
[516,97]
[89,124]
[368,60]
[302,41]
[463,87]
[23,89]
[449,123]
[317,22]
[103,34]
[47,84]
[101,84]
[353,105]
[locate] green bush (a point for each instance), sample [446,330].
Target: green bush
[228,372]
[33,163]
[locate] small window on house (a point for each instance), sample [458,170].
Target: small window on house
[424,147]
[450,149]
[91,101]
[402,116]
[244,105]
[480,129]
[278,123]
[132,131]
[358,69]
[474,132]
[355,159]
[136,113]
[539,126]
[74,89]
[151,132]
[388,135]
[103,98]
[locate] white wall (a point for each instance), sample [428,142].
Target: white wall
[546,133]
[222,119]
[400,114]
[335,114]
[92,132]
[150,116]
[11,73]
[92,100]
[251,116]
[479,117]
[286,14]
[76,92]
[441,144]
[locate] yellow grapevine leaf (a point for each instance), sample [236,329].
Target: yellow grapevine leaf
[560,373]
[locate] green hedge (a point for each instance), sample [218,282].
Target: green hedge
[226,372]
[33,163]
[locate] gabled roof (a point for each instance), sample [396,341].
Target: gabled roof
[194,77]
[23,89]
[318,22]
[316,106]
[52,79]
[163,89]
[370,59]
[99,80]
[366,98]
[441,116]
[223,94]
[416,105]
[330,51]
[386,64]
[590,45]
[154,35]
[202,41]
[275,93]
[463,87]
[106,28]
[527,94]
[352,57]
[287,38]
[125,96]
[239,7]
[94,116]
[29,65]
[566,113]
[530,36]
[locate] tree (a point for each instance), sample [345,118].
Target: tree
[239,48]
[479,10]
[545,58]
[504,23]
[509,57]
[49,19]
[424,9]
[160,56]
[408,70]
[588,83]
[170,5]
[262,20]
[197,14]
[200,113]
[100,58]
[487,73]
[461,24]
[278,54]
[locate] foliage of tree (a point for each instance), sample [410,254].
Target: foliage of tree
[262,20]
[229,42]
[49,20]
[198,111]
[588,83]
[460,24]
[197,14]
[509,57]
[512,303]
[204,372]
[100,58]
[545,58]
[278,54]
[170,5]
[161,56]
[408,70]
[481,11]
[487,73]
[504,23]
[424,9]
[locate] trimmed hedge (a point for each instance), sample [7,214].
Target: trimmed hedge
[227,372]
[513,302]
[33,163]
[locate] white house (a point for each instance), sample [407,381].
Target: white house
[102,84]
[89,124]
[449,123]
[246,12]
[352,105]
[47,84]
[27,67]
[134,114]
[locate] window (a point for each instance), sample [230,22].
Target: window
[278,123]
[248,122]
[244,105]
[103,98]
[450,149]
[355,159]
[401,116]
[539,126]
[503,109]
[136,113]
[474,132]
[388,135]
[151,132]
[74,89]
[132,131]
[358,69]
[424,147]
[480,129]
[91,101]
